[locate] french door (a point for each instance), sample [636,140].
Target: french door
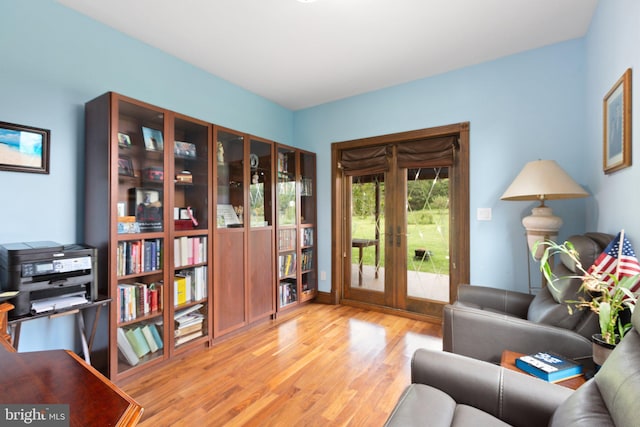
[395,229]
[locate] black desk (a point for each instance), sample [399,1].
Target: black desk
[16,324]
[361,244]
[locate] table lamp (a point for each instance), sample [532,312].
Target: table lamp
[542,180]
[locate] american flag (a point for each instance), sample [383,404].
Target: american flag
[607,262]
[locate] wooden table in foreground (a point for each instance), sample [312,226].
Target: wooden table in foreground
[62,377]
[508,361]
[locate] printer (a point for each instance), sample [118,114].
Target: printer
[49,277]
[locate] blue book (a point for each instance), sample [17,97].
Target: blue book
[549,366]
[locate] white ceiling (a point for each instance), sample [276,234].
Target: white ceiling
[304,54]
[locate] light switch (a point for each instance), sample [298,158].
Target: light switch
[483,214]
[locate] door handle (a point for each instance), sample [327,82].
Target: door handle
[389,238]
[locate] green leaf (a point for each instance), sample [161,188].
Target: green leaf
[604,316]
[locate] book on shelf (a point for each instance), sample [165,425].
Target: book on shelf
[186,338]
[148,335]
[549,366]
[138,341]
[189,329]
[181,313]
[181,289]
[189,319]
[156,335]
[126,350]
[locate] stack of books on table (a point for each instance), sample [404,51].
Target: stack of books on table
[188,324]
[549,366]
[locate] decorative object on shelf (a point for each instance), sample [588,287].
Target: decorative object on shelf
[24,148]
[542,180]
[227,216]
[148,208]
[613,282]
[152,139]
[254,161]
[617,125]
[124,140]
[184,150]
[220,153]
[184,177]
[125,166]
[154,174]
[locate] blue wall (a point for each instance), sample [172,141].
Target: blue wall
[545,103]
[611,48]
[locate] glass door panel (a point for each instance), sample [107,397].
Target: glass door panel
[367,232]
[428,234]
[139,263]
[286,187]
[260,192]
[191,175]
[230,158]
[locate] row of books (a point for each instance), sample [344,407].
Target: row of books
[288,293]
[306,261]
[189,250]
[139,256]
[190,285]
[306,236]
[287,239]
[136,342]
[287,264]
[189,324]
[138,299]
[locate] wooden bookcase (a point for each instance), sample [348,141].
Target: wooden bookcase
[189,220]
[295,227]
[146,211]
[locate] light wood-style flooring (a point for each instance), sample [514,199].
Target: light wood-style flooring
[326,366]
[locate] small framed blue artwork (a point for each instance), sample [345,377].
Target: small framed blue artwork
[24,148]
[617,125]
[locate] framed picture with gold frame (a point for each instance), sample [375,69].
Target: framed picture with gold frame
[617,125]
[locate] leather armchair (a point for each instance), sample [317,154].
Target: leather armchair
[485,321]
[448,389]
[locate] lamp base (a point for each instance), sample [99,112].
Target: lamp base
[541,225]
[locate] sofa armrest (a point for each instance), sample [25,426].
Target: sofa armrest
[515,398]
[485,335]
[498,300]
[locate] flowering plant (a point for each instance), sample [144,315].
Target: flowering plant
[608,295]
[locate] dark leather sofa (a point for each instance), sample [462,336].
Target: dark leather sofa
[485,321]
[452,390]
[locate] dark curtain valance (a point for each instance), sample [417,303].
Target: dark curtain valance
[431,152]
[423,153]
[367,160]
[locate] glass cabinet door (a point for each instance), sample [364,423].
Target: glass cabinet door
[140,243]
[230,161]
[307,190]
[191,175]
[260,189]
[140,154]
[286,187]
